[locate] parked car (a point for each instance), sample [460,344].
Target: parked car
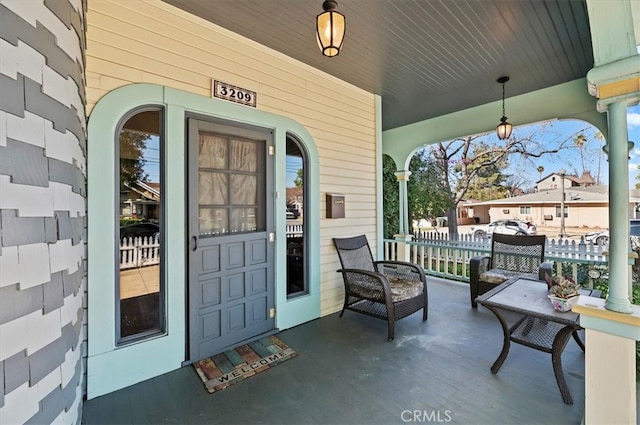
[602,237]
[292,212]
[139,230]
[507,227]
[532,229]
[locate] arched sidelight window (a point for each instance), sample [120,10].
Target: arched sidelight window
[139,240]
[296,226]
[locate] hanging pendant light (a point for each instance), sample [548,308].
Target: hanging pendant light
[330,28]
[504,128]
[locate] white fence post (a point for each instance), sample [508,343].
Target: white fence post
[139,251]
[403,252]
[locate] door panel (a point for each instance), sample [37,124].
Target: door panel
[231,277]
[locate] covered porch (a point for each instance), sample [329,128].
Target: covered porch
[414,73]
[346,372]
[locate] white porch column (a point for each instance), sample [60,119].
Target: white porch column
[403,236]
[610,365]
[613,326]
[619,277]
[403,204]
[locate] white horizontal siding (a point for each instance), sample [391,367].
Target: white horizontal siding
[153,42]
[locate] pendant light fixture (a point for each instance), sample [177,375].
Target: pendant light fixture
[504,128]
[330,28]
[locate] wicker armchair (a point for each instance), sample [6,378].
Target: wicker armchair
[511,255]
[388,290]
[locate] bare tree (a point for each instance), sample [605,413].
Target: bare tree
[461,160]
[600,138]
[580,140]
[515,183]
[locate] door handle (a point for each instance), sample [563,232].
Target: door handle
[194,239]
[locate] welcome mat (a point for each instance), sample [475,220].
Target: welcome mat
[232,366]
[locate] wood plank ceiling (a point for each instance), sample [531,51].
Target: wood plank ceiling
[425,58]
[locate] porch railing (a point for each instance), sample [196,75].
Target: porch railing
[441,256]
[139,252]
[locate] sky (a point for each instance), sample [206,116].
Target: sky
[551,134]
[570,159]
[633,124]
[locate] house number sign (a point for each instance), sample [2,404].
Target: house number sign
[234,93]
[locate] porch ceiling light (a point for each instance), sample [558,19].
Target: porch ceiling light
[504,128]
[330,28]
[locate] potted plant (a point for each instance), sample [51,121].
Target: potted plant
[564,293]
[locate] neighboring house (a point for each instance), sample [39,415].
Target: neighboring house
[584,207]
[77,75]
[140,200]
[554,181]
[295,198]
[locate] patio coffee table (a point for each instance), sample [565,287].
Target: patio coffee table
[541,327]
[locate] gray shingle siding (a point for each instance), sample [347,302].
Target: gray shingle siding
[16,371]
[12,99]
[16,303]
[39,228]
[25,163]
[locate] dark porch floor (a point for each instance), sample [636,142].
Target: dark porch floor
[347,373]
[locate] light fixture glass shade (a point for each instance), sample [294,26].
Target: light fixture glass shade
[504,129]
[330,29]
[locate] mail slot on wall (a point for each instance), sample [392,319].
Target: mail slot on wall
[335,205]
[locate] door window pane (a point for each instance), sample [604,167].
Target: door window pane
[141,293]
[243,220]
[212,188]
[212,151]
[213,221]
[229,197]
[244,156]
[244,189]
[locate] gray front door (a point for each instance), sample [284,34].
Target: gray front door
[231,279]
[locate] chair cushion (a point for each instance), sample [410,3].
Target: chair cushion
[403,289]
[497,276]
[367,292]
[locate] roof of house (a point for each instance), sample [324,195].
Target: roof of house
[584,180]
[581,195]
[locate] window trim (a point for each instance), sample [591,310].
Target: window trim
[566,211]
[151,333]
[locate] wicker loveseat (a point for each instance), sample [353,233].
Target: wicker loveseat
[511,255]
[388,290]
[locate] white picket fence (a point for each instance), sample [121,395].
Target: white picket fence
[139,252]
[441,256]
[294,230]
[145,251]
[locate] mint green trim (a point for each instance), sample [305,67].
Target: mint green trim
[302,308]
[619,272]
[612,31]
[619,70]
[294,311]
[623,330]
[111,367]
[564,101]
[379,185]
